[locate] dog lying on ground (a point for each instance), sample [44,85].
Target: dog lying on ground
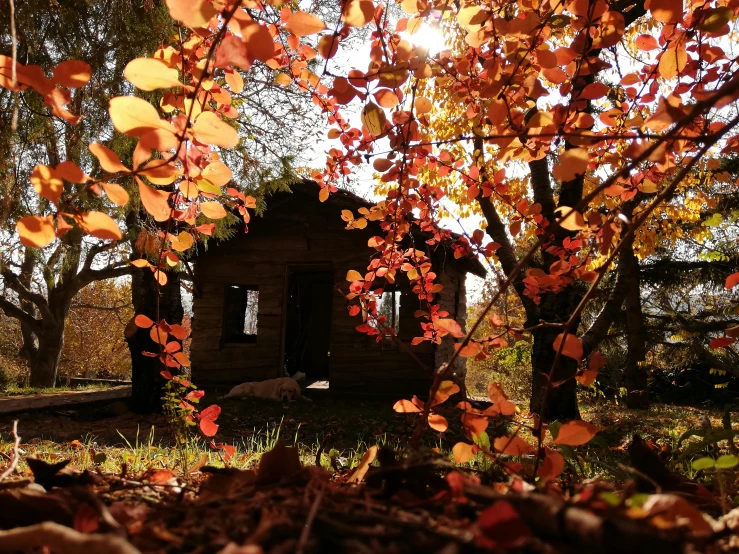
[285,389]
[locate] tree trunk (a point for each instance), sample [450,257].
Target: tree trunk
[45,362]
[637,395]
[557,402]
[147,383]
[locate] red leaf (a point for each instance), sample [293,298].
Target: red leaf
[166,374]
[732,280]
[211,412]
[575,433]
[208,427]
[501,528]
[722,342]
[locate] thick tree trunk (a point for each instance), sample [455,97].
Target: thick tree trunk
[557,401]
[147,382]
[636,374]
[45,362]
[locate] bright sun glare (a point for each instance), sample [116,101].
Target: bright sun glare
[429,37]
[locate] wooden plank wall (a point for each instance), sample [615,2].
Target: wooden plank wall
[295,233]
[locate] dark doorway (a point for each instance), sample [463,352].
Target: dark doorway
[308,323]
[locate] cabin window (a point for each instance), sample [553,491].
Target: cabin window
[240,312]
[388,305]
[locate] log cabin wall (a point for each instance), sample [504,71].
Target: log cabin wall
[298,231]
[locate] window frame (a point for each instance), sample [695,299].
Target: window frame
[227,339]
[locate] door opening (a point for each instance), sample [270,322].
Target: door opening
[308,324]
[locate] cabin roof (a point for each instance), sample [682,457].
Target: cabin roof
[344,199]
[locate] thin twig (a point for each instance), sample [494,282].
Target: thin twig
[309,523]
[16,453]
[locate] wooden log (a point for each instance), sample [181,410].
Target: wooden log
[9,404]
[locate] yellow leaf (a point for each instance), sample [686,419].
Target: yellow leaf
[217,173]
[134,116]
[235,82]
[283,79]
[574,221]
[373,118]
[353,275]
[210,129]
[150,74]
[213,210]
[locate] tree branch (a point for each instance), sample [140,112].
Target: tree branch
[11,310]
[14,283]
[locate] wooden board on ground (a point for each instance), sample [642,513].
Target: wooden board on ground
[20,403]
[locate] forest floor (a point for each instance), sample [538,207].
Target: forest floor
[140,485]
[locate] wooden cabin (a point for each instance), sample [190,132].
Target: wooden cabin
[271,302]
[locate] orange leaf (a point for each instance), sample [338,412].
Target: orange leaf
[666,11]
[150,74]
[513,446]
[259,42]
[36,231]
[156,202]
[357,13]
[646,43]
[572,162]
[160,277]
[575,433]
[474,424]
[210,129]
[553,465]
[572,347]
[235,82]
[587,377]
[500,400]
[464,452]
[134,116]
[72,73]
[108,159]
[382,164]
[140,263]
[213,210]
[445,390]
[182,359]
[70,171]
[328,45]
[158,336]
[193,13]
[353,275]
[450,326]
[217,173]
[406,406]
[143,321]
[302,24]
[116,193]
[675,508]
[178,331]
[99,225]
[47,183]
[438,423]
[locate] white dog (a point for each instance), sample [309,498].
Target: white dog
[285,389]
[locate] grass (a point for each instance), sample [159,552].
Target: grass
[352,426]
[14,390]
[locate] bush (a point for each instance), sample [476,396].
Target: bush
[510,366]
